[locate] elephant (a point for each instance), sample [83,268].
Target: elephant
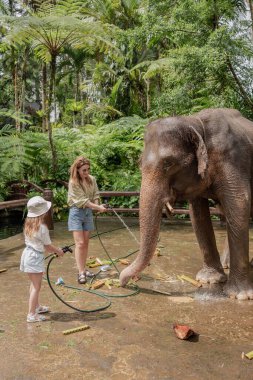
[208,155]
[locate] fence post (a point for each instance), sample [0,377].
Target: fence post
[48,196]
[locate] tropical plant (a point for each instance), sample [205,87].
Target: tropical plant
[60,206]
[48,31]
[94,65]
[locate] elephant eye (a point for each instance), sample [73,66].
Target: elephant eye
[168,165]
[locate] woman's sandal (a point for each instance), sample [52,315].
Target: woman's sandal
[81,278]
[31,318]
[42,309]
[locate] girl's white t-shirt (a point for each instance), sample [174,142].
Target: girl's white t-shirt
[39,239]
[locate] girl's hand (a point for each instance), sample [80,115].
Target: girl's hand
[60,252]
[53,249]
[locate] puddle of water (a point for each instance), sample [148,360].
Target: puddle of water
[11,224]
[210,293]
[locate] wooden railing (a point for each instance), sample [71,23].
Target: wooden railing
[13,204]
[45,193]
[105,195]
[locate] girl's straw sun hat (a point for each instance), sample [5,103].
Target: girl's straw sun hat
[37,206]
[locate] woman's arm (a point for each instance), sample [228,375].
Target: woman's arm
[95,207]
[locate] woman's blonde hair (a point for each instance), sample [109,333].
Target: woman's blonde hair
[32,225]
[77,164]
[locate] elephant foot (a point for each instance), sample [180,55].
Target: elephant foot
[225,260]
[240,290]
[211,275]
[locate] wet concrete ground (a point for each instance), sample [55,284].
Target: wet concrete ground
[133,339]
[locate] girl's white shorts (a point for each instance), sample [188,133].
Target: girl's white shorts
[32,261]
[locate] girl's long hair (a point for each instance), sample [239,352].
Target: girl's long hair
[32,225]
[77,164]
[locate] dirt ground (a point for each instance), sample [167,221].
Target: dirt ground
[133,338]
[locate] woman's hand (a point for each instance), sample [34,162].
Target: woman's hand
[102,208]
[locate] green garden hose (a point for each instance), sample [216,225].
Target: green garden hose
[103,295]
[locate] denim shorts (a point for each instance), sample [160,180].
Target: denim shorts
[80,219]
[32,261]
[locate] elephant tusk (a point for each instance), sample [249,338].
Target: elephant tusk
[169,207]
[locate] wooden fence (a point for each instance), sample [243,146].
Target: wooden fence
[105,195]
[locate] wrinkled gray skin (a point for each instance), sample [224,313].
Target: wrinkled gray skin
[207,155]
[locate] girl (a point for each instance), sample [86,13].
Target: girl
[83,197]
[37,240]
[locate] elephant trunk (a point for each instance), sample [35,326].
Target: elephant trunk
[151,204]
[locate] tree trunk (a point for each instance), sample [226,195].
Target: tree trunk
[77,93]
[11,7]
[23,82]
[50,98]
[243,93]
[83,75]
[82,112]
[251,16]
[16,96]
[147,81]
[44,98]
[215,17]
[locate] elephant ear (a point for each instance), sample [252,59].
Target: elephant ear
[201,151]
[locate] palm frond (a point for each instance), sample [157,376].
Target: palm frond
[101,109]
[115,90]
[22,118]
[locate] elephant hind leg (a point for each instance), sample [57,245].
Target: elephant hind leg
[237,210]
[239,289]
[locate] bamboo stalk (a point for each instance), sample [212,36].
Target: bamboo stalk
[77,329]
[191,280]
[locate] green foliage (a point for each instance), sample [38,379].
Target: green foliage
[60,207]
[108,67]
[133,57]
[116,150]
[113,149]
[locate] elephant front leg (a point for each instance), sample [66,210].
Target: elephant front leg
[212,271]
[225,257]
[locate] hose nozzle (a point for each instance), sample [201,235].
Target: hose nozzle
[67,249]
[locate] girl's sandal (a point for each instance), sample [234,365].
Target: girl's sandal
[31,318]
[42,309]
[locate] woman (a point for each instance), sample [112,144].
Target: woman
[83,197]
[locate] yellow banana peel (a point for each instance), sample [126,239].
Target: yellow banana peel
[249,355]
